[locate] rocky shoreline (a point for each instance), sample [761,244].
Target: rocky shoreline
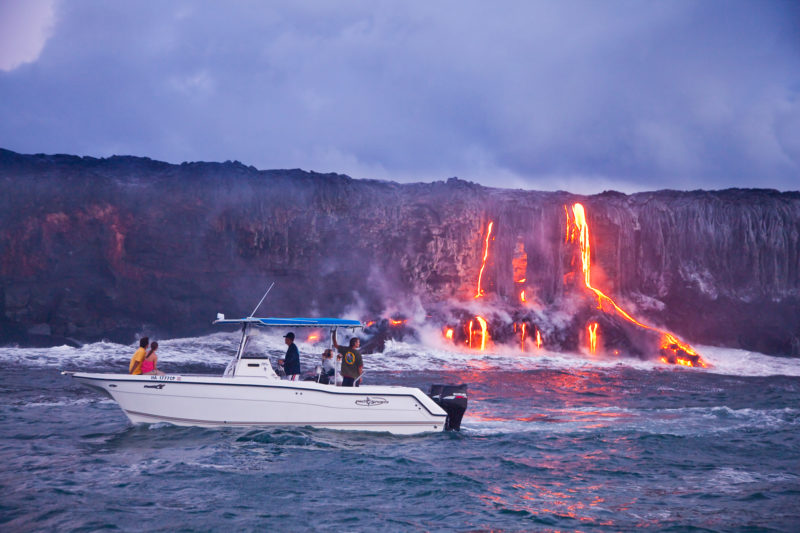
[107,248]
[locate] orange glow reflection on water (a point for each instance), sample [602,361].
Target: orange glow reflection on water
[585,396]
[552,480]
[537,499]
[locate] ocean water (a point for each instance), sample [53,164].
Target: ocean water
[551,442]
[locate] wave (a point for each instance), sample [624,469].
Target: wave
[730,361]
[63,402]
[215,350]
[724,361]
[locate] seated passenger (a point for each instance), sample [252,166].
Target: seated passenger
[327,362]
[338,369]
[135,366]
[151,360]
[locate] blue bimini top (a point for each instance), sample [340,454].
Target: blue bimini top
[292,322]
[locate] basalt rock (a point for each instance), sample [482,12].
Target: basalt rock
[108,248]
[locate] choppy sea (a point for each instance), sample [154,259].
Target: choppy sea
[550,442]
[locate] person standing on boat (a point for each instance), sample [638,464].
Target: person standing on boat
[352,364]
[135,366]
[291,362]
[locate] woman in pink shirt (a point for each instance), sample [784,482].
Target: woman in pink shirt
[150,361]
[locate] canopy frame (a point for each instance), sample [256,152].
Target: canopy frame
[297,322]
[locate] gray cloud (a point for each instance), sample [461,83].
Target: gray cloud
[575,95]
[25,26]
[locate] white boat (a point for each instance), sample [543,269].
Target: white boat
[250,393]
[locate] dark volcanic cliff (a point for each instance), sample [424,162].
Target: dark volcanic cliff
[104,248]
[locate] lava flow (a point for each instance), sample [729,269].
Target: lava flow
[592,330]
[473,332]
[519,267]
[480,291]
[676,351]
[484,333]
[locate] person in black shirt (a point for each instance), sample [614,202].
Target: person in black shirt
[291,362]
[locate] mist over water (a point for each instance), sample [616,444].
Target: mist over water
[550,441]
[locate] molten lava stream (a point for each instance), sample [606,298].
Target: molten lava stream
[592,330]
[668,340]
[484,331]
[472,333]
[485,257]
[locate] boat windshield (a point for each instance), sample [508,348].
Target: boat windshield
[251,347]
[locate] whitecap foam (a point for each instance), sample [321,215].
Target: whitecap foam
[218,348]
[400,355]
[726,361]
[64,402]
[730,361]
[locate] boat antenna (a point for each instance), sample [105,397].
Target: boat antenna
[262,299]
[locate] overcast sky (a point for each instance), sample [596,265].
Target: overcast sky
[575,95]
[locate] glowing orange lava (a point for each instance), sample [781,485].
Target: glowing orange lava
[519,263]
[484,333]
[580,227]
[314,337]
[448,333]
[522,337]
[485,257]
[396,322]
[538,339]
[678,361]
[472,332]
[569,226]
[522,296]
[592,329]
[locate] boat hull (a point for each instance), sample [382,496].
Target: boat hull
[246,402]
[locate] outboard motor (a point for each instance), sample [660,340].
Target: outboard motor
[453,399]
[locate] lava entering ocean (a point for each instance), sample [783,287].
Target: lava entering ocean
[592,330]
[510,312]
[673,350]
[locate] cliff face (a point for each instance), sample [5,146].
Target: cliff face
[106,248]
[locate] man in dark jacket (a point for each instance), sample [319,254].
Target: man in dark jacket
[291,362]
